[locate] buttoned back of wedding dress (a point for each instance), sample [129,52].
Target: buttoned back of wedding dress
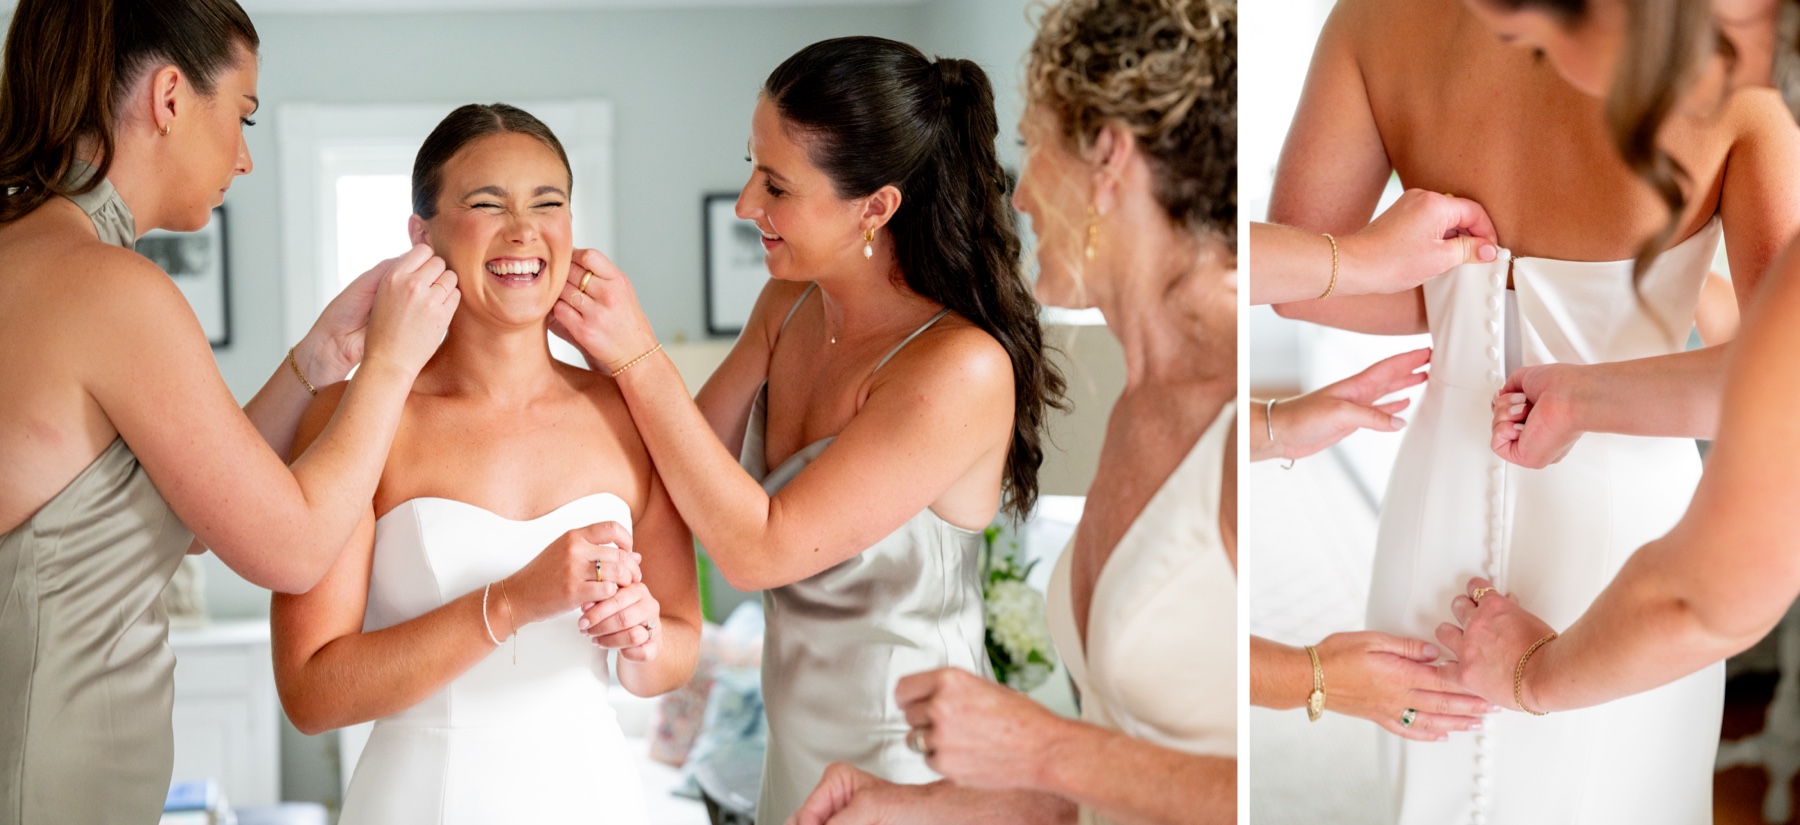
[531,741]
[1160,662]
[1553,538]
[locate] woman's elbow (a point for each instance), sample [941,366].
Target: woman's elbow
[308,716]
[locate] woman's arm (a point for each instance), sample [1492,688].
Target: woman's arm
[847,795]
[1421,236]
[937,409]
[329,673]
[155,378]
[1305,424]
[1717,583]
[1674,395]
[1332,170]
[981,735]
[1368,675]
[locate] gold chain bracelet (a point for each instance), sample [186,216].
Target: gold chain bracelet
[300,375]
[1519,675]
[634,362]
[1331,287]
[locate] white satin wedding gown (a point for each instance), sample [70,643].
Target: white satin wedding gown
[1552,537]
[534,741]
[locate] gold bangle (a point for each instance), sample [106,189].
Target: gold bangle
[1331,287]
[1315,701]
[634,362]
[300,375]
[512,619]
[1519,675]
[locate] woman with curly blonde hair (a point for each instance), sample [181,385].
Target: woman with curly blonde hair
[1130,183]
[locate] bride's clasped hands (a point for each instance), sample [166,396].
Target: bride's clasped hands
[593,570]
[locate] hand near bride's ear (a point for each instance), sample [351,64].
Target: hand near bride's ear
[1534,420]
[1309,423]
[604,320]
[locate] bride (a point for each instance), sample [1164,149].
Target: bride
[517,502]
[1439,98]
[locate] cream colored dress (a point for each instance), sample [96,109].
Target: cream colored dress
[86,673]
[1160,663]
[836,644]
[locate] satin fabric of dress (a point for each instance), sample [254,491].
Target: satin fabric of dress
[1160,662]
[1552,538]
[531,741]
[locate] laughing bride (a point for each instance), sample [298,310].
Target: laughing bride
[519,532]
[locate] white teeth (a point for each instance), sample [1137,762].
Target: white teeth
[503,268]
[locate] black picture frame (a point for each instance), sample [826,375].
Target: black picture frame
[200,265]
[734,269]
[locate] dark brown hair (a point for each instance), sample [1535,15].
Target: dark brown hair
[462,127]
[1665,44]
[68,65]
[877,112]
[1166,70]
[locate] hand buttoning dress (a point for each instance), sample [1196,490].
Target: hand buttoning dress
[1553,538]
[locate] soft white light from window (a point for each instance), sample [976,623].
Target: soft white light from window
[371,221]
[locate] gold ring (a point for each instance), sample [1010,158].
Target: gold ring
[438,284]
[1479,592]
[599,574]
[585,277]
[915,741]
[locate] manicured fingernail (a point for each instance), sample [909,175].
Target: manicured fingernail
[1397,421]
[1518,426]
[1487,252]
[1430,650]
[1495,709]
[582,625]
[1515,409]
[1475,726]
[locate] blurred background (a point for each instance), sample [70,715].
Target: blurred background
[653,100]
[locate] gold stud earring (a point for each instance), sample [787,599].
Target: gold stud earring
[868,244]
[165,130]
[1093,231]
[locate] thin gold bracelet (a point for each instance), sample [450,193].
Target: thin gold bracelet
[1519,675]
[634,362]
[300,375]
[1331,287]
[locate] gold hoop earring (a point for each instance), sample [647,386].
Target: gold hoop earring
[1093,231]
[868,244]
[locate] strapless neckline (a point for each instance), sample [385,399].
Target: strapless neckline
[415,500]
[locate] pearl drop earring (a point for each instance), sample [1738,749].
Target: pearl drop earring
[868,244]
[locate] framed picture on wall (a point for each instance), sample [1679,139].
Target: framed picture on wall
[196,262]
[735,272]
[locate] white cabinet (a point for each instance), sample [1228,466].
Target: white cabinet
[225,710]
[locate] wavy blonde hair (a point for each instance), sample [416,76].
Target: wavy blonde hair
[1166,71]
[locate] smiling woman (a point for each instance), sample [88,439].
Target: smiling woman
[518,501]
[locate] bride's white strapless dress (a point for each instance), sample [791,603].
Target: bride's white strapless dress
[1553,538]
[532,742]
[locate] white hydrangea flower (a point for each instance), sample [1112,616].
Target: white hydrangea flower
[1016,623]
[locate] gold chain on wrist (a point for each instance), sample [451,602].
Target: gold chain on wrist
[300,375]
[1331,287]
[1315,702]
[634,362]
[1519,675]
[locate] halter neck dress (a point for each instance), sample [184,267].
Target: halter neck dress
[86,673]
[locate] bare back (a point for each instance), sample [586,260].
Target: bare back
[1432,94]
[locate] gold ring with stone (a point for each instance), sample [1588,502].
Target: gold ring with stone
[1479,592]
[1407,718]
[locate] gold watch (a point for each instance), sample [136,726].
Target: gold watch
[1315,701]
